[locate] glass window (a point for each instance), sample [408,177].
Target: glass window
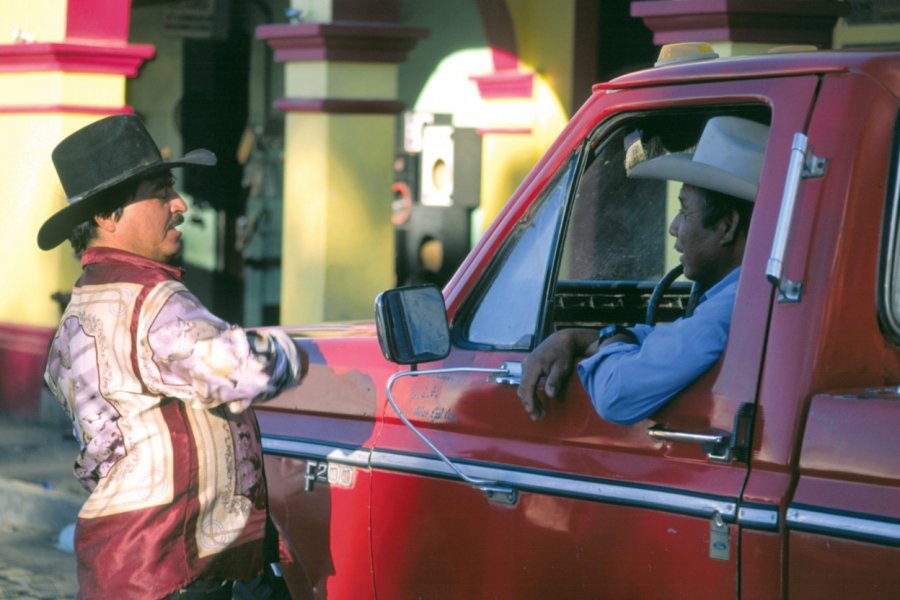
[614,248]
[507,314]
[616,245]
[618,225]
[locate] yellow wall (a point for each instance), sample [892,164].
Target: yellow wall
[41,20]
[54,87]
[846,35]
[29,188]
[338,251]
[541,29]
[724,49]
[544,34]
[506,160]
[30,193]
[318,79]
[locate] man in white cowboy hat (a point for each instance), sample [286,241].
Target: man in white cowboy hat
[157,387]
[630,373]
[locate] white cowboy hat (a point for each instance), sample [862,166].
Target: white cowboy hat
[728,159]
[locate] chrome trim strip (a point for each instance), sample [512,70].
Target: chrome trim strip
[303,449]
[845,526]
[659,499]
[758,518]
[671,501]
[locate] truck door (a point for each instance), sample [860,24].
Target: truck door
[591,509]
[833,407]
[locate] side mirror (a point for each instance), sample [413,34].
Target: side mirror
[412,324]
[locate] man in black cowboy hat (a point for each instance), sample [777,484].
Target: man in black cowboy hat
[157,387]
[630,373]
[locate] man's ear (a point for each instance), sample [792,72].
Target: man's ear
[729,225]
[107,223]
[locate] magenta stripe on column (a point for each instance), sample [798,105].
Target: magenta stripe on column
[78,58]
[65,108]
[341,105]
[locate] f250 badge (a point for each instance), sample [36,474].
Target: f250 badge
[325,472]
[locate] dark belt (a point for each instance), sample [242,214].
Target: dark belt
[204,589]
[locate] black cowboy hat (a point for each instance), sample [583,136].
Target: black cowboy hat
[97,157]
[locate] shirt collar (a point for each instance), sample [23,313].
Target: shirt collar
[100,254]
[720,285]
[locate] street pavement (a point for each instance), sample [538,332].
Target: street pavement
[39,497]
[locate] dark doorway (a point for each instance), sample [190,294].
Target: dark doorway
[608,42]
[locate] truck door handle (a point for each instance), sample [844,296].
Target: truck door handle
[720,446]
[716,445]
[661,433]
[510,373]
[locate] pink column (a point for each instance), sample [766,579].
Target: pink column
[94,43]
[754,21]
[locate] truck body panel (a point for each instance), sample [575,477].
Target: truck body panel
[806,489]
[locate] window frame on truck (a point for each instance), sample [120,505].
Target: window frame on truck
[889,269]
[571,175]
[546,213]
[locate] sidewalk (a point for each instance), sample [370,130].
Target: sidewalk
[39,496]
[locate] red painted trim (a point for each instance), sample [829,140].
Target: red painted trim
[506,81]
[682,7]
[341,106]
[23,355]
[340,42]
[505,84]
[74,58]
[763,21]
[98,20]
[504,60]
[26,338]
[65,108]
[504,131]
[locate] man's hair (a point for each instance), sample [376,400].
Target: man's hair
[109,203]
[716,205]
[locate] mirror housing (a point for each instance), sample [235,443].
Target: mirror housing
[412,324]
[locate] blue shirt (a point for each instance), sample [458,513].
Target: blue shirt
[630,382]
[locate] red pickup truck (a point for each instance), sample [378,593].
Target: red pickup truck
[775,474]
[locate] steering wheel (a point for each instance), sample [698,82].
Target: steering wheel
[661,288]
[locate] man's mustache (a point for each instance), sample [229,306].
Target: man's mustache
[177,220]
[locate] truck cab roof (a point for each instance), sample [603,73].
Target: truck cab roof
[881,65]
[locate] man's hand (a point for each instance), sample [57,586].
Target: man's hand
[554,359]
